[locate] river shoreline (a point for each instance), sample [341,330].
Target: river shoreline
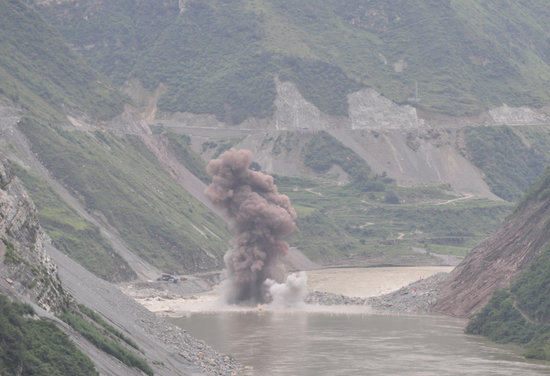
[381,289]
[195,294]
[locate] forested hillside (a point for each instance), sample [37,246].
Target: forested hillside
[41,73]
[31,346]
[512,158]
[221,57]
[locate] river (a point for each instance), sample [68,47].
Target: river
[314,343]
[349,341]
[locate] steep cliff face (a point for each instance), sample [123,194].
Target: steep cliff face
[25,266]
[497,261]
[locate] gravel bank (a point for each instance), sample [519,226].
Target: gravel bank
[168,349]
[418,297]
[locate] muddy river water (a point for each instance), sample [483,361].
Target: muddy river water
[345,341]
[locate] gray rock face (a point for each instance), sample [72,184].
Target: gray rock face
[367,110]
[24,262]
[294,112]
[517,116]
[370,110]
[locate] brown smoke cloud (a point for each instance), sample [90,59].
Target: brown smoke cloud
[263,218]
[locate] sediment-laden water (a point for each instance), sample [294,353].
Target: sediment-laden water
[347,340]
[308,342]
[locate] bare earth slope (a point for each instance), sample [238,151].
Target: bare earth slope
[173,351]
[497,261]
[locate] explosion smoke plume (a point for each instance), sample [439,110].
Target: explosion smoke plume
[263,217]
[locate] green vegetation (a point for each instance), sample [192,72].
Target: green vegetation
[225,145]
[120,178]
[36,347]
[187,156]
[221,57]
[221,146]
[323,84]
[323,151]
[105,342]
[539,191]
[521,313]
[337,221]
[99,320]
[41,73]
[511,158]
[72,234]
[11,257]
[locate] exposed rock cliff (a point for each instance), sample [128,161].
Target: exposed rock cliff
[25,267]
[370,110]
[497,261]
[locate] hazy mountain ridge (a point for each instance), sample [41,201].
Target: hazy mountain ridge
[375,131]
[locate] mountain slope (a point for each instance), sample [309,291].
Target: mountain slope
[219,57]
[500,259]
[120,181]
[53,87]
[131,184]
[39,71]
[514,273]
[520,313]
[512,158]
[117,334]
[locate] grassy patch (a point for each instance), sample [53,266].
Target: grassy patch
[335,221]
[11,257]
[99,320]
[73,235]
[36,347]
[120,178]
[39,71]
[103,342]
[187,156]
[511,159]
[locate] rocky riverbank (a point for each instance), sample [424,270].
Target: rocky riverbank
[209,361]
[418,297]
[168,348]
[169,298]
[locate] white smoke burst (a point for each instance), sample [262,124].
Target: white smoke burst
[291,293]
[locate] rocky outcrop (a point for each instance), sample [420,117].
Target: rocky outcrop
[421,156]
[518,116]
[294,112]
[25,266]
[497,261]
[370,110]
